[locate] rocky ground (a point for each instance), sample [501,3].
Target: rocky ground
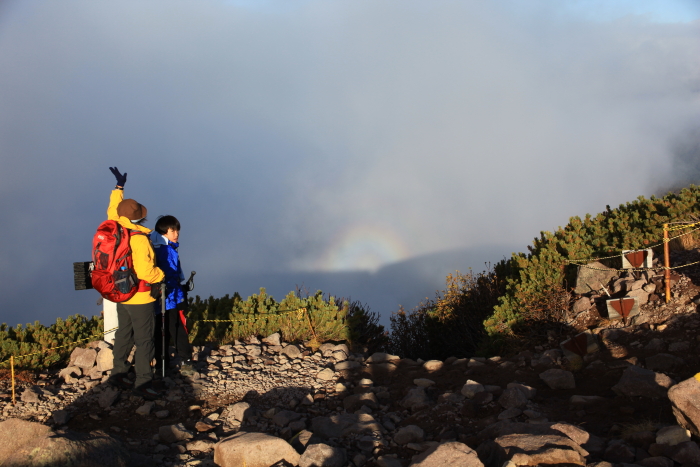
[260,402]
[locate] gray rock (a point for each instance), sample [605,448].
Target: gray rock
[409,434]
[85,359]
[355,401]
[672,435]
[433,365]
[558,379]
[272,339]
[105,360]
[70,374]
[146,408]
[291,351]
[381,357]
[687,453]
[322,455]
[581,305]
[528,391]
[31,395]
[388,461]
[636,381]
[471,388]
[451,453]
[416,399]
[529,449]
[618,451]
[284,417]
[423,382]
[510,413]
[238,411]
[347,365]
[254,450]
[338,426]
[60,417]
[326,374]
[174,433]
[107,396]
[27,444]
[512,398]
[593,278]
[201,445]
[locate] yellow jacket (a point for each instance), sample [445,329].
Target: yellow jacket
[141,251]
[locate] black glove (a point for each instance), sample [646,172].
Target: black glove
[121,179]
[155,290]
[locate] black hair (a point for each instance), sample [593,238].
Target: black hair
[164,223]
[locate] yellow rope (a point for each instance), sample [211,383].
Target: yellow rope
[666,240]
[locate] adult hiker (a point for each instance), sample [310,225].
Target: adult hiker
[136,320]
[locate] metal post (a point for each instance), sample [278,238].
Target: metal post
[667,265]
[12,374]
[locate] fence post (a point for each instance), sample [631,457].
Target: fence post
[12,375]
[667,265]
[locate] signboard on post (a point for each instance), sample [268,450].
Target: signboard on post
[637,259]
[622,308]
[581,345]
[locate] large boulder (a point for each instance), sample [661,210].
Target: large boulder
[638,382]
[685,400]
[451,453]
[558,379]
[254,450]
[30,444]
[338,426]
[322,455]
[592,277]
[528,449]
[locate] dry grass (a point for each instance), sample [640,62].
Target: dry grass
[684,243]
[629,429]
[21,375]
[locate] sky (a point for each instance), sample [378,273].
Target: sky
[365,148]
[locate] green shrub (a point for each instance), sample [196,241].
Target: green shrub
[36,338]
[531,277]
[262,315]
[450,325]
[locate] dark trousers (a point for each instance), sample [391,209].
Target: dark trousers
[175,330]
[135,328]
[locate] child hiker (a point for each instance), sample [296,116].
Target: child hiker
[165,242]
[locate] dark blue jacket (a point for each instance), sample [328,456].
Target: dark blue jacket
[168,260]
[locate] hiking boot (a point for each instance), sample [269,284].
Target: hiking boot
[120,380]
[147,391]
[159,385]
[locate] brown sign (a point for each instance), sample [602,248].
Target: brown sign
[577,344]
[623,306]
[637,258]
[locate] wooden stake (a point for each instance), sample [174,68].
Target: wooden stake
[667,265]
[12,374]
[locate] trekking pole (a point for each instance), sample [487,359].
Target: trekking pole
[162,326]
[190,281]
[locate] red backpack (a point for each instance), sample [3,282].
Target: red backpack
[113,275]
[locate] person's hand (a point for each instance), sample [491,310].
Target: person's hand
[121,179]
[155,290]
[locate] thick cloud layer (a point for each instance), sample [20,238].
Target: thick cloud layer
[363,148]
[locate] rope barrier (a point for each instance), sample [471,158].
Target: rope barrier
[665,240]
[299,311]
